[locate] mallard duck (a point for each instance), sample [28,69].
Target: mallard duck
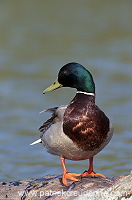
[79,130]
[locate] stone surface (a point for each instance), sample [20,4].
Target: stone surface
[50,187]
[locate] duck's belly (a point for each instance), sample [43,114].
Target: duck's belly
[57,143]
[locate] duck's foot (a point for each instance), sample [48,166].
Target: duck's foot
[92,173]
[70,176]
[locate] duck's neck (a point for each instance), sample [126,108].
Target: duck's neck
[84,97]
[87,93]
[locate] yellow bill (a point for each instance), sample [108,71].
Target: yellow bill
[54,86]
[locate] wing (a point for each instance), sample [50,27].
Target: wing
[57,116]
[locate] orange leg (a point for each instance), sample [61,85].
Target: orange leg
[67,175]
[90,170]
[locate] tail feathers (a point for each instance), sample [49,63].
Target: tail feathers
[36,142]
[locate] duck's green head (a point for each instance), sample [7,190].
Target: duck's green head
[76,76]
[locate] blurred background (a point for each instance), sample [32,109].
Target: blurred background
[36,39]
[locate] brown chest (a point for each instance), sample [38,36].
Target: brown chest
[85,123]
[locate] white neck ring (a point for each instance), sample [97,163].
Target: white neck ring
[87,93]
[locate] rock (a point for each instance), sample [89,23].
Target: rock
[50,187]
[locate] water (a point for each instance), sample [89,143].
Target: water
[37,39]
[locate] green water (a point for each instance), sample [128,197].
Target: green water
[36,39]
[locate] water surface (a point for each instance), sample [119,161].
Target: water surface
[37,38]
